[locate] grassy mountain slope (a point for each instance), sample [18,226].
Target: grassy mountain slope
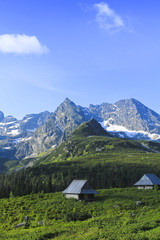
[91,139]
[90,128]
[90,153]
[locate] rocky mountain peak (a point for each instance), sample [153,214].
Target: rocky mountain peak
[36,133]
[127,102]
[67,101]
[9,118]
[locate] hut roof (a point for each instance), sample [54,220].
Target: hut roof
[79,187]
[148,179]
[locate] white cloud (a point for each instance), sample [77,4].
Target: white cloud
[107,19]
[21,44]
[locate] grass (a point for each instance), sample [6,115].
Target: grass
[102,148]
[114,215]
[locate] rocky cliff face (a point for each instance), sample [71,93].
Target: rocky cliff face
[57,128]
[129,118]
[13,131]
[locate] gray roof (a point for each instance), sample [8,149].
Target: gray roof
[148,180]
[79,187]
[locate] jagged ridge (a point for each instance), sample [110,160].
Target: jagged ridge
[39,132]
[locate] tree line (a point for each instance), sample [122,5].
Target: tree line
[57,176]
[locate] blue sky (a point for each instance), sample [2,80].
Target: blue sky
[89,51]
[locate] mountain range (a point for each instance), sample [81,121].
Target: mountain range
[37,133]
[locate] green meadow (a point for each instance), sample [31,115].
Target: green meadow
[115,214]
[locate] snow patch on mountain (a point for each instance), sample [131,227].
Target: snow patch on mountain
[7,148]
[13,132]
[86,111]
[15,141]
[59,127]
[27,119]
[24,139]
[31,130]
[7,123]
[14,126]
[122,131]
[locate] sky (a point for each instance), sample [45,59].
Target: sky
[90,51]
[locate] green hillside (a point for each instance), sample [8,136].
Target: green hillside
[115,214]
[91,139]
[90,153]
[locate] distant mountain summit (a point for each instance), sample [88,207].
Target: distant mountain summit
[67,117]
[130,118]
[37,133]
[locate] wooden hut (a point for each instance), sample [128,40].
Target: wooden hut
[148,181]
[79,189]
